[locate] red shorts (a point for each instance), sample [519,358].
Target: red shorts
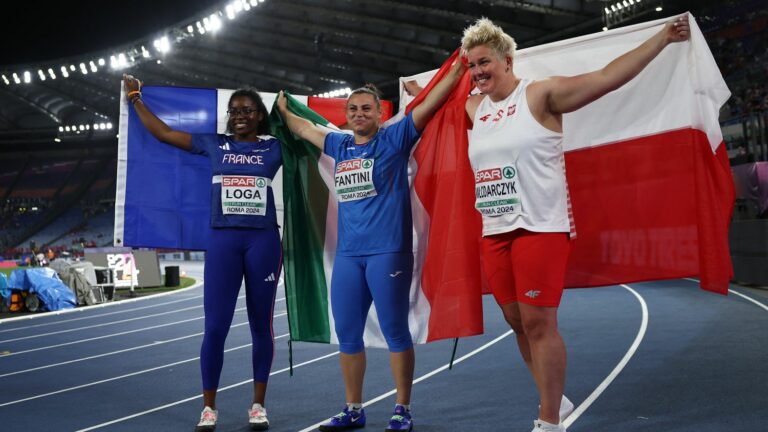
[526,267]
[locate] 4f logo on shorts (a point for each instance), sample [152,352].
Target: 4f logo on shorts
[532,294]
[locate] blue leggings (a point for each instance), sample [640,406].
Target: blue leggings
[384,279]
[232,254]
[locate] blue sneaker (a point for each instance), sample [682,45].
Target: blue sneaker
[400,421]
[347,419]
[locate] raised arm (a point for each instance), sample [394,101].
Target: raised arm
[154,125]
[302,128]
[424,111]
[566,94]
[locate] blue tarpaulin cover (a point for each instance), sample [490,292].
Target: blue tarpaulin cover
[46,284]
[5,293]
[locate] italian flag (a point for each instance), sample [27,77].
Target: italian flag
[445,293]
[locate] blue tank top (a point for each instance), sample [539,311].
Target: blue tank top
[371,186]
[241,193]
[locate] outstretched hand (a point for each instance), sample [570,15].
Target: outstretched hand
[678,30]
[130,83]
[282,102]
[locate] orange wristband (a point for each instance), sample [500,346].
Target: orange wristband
[133,92]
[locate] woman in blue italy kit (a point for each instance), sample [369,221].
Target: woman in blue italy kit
[244,240]
[374,256]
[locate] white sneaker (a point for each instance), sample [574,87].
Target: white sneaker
[542,426]
[257,418]
[207,420]
[566,408]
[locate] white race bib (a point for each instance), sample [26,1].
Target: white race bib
[243,195]
[354,180]
[496,191]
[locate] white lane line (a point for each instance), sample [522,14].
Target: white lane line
[123,376]
[745,297]
[197,284]
[748,298]
[109,323]
[249,381]
[619,367]
[99,325]
[2,356]
[421,378]
[153,344]
[97,316]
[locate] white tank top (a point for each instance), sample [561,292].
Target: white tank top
[519,168]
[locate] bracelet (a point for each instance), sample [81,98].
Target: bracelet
[135,98]
[133,92]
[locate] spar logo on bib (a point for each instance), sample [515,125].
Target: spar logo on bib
[240,181]
[354,180]
[496,191]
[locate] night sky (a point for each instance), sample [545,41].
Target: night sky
[33,31]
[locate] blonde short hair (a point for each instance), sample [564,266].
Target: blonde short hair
[485,32]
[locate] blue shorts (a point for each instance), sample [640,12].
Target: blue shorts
[385,280]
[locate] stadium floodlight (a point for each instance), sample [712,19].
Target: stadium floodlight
[144,52]
[67,128]
[162,45]
[16,78]
[238,5]
[72,68]
[121,60]
[626,5]
[51,73]
[93,66]
[215,23]
[190,29]
[102,62]
[659,9]
[246,5]
[87,127]
[61,128]
[41,74]
[607,11]
[5,79]
[102,126]
[27,77]
[64,72]
[57,139]
[230,11]
[83,70]
[109,125]
[254,3]
[95,126]
[81,127]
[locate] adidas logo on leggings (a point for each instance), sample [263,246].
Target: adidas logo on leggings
[270,278]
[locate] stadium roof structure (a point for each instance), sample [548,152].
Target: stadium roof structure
[309,47]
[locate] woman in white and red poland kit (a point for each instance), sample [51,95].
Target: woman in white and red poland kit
[516,152]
